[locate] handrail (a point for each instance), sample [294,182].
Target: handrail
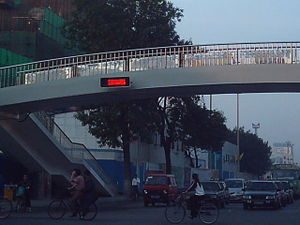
[150,58]
[76,151]
[154,48]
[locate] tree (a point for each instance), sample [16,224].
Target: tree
[169,126]
[186,120]
[116,125]
[105,25]
[202,128]
[255,152]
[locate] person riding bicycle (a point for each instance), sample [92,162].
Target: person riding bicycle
[197,194]
[89,194]
[78,185]
[23,192]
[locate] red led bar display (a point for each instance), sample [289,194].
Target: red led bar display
[114,82]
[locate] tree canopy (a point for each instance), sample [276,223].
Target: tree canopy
[254,151]
[104,25]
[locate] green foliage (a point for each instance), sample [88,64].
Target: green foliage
[203,128]
[256,152]
[111,123]
[104,25]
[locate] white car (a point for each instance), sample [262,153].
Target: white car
[235,187]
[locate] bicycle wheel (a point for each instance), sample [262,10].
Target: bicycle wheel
[20,206]
[208,213]
[175,212]
[90,213]
[5,208]
[57,209]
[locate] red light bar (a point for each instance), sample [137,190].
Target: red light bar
[114,82]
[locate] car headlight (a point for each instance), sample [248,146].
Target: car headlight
[145,191]
[213,196]
[165,191]
[247,197]
[270,197]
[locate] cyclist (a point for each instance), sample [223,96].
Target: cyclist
[77,182]
[197,194]
[89,194]
[23,192]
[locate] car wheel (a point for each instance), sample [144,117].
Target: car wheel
[246,206]
[153,203]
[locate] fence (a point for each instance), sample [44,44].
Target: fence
[149,59]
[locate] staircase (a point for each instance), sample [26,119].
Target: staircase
[39,142]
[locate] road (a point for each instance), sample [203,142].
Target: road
[136,214]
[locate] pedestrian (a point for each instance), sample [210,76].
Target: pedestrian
[197,194]
[135,186]
[77,187]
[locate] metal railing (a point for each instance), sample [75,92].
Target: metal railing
[151,58]
[76,153]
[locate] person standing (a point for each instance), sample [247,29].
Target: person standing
[77,187]
[135,186]
[197,194]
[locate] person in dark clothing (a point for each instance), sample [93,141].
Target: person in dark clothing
[89,193]
[25,187]
[197,194]
[78,185]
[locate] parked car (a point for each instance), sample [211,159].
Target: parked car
[262,193]
[214,191]
[225,191]
[289,189]
[159,188]
[235,187]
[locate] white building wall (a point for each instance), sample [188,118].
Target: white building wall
[282,153]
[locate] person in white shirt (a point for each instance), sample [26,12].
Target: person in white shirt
[197,194]
[135,186]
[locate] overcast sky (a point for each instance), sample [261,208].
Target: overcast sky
[228,21]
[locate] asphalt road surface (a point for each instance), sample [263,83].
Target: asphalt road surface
[136,214]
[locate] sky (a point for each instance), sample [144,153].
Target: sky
[231,21]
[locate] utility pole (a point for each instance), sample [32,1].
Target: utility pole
[238,128]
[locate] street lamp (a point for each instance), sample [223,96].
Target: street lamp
[255,126]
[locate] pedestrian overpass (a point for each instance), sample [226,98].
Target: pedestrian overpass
[72,83]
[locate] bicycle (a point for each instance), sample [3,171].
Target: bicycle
[58,208]
[6,208]
[175,212]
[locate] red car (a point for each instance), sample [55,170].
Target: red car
[159,188]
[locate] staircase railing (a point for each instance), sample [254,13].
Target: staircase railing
[76,152]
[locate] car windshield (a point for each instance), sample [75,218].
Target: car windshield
[156,180]
[260,186]
[234,183]
[210,186]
